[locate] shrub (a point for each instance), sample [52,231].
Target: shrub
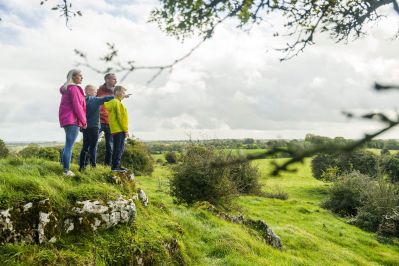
[346,194]
[171,157]
[48,153]
[322,162]
[373,203]
[205,175]
[245,176]
[390,166]
[378,200]
[385,151]
[390,224]
[363,161]
[3,149]
[136,156]
[330,174]
[196,179]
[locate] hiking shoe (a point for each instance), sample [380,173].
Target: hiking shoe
[69,173]
[119,169]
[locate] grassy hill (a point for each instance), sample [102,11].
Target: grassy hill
[168,234]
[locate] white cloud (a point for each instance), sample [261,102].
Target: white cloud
[232,86]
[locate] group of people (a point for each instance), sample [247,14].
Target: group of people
[92,112]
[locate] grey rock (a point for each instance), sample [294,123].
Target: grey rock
[143,197]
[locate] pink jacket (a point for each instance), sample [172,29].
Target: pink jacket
[72,107]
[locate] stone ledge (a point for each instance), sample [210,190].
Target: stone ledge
[39,222]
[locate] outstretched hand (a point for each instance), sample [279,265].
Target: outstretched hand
[128,95]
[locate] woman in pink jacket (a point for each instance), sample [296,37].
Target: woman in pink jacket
[72,114]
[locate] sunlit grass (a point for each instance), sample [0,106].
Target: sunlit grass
[310,234]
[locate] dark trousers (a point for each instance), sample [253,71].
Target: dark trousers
[89,148]
[119,146]
[108,143]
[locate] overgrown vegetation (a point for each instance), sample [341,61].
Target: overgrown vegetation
[168,234]
[197,178]
[346,195]
[369,202]
[171,157]
[136,156]
[35,151]
[363,161]
[3,149]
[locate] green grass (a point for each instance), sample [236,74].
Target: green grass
[36,179]
[310,234]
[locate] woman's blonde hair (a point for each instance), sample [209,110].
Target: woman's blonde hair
[70,76]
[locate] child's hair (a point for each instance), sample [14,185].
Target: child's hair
[89,87]
[119,88]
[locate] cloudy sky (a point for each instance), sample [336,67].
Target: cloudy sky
[233,86]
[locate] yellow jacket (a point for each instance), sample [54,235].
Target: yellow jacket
[117,116]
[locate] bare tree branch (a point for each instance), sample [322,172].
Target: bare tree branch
[128,67]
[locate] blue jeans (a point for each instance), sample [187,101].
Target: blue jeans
[71,133]
[108,143]
[119,146]
[89,148]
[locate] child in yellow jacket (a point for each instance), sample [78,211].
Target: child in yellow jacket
[118,123]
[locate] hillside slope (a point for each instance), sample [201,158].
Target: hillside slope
[168,234]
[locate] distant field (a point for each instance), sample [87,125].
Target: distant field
[378,151]
[16,147]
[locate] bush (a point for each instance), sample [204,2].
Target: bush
[379,200]
[136,156]
[390,166]
[3,149]
[171,157]
[245,176]
[330,174]
[346,194]
[385,151]
[196,179]
[322,162]
[205,175]
[373,204]
[363,161]
[390,223]
[48,153]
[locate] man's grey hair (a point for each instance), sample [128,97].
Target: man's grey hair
[108,75]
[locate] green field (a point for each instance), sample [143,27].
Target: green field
[310,234]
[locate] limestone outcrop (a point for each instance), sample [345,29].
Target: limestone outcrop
[39,222]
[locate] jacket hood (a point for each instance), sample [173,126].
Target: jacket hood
[63,89]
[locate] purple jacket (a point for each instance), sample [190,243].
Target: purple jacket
[72,107]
